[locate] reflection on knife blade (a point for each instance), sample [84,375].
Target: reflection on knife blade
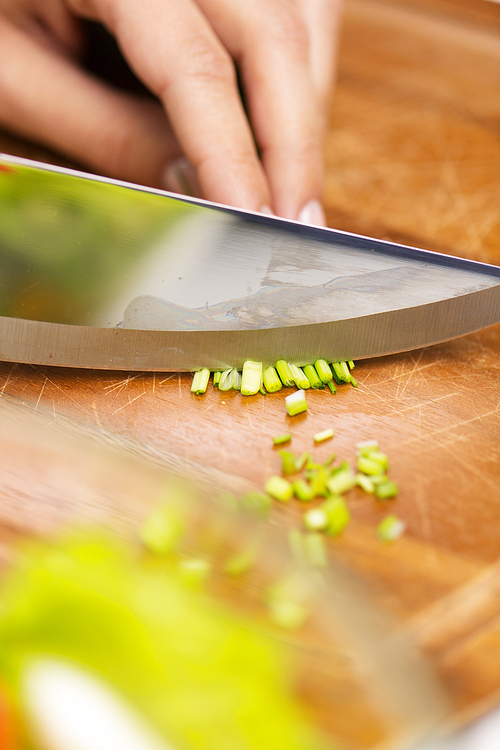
[286,304]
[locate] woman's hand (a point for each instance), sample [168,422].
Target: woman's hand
[264,154]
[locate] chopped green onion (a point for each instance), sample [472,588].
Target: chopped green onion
[299,377]
[338,515]
[324,435]
[226,380]
[386,490]
[332,387]
[288,462]
[216,379]
[272,383]
[301,462]
[324,371]
[390,529]
[194,571]
[163,529]
[318,478]
[313,377]
[336,378]
[368,465]
[341,480]
[303,491]
[251,378]
[280,439]
[341,373]
[366,447]
[262,391]
[284,372]
[236,380]
[351,364]
[314,548]
[200,381]
[380,458]
[296,403]
[365,483]
[315,519]
[279,488]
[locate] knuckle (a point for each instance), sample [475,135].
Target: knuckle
[209,62]
[286,28]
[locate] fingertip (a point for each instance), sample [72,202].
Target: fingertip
[312,213]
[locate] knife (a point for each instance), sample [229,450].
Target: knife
[105,274]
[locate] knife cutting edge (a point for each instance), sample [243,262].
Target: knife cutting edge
[104,274]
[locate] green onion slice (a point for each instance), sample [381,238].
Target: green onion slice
[303,491]
[323,435]
[288,462]
[312,376]
[296,403]
[386,490]
[272,383]
[390,529]
[284,372]
[315,519]
[299,377]
[251,378]
[279,488]
[324,371]
[280,439]
[338,515]
[200,381]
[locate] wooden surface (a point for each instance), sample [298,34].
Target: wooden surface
[413,155]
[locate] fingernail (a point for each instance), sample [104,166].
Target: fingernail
[267,210]
[180,177]
[312,213]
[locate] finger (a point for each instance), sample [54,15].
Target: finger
[50,23]
[175,52]
[44,96]
[322,18]
[270,42]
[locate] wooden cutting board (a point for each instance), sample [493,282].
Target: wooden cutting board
[413,155]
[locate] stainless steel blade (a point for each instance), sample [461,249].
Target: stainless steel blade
[103,274]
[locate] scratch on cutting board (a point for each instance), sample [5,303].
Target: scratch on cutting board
[40,394]
[6,382]
[121,384]
[65,393]
[130,401]
[165,380]
[403,374]
[449,428]
[412,372]
[424,403]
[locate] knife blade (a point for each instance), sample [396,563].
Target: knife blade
[104,274]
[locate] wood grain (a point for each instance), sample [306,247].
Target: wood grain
[413,155]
